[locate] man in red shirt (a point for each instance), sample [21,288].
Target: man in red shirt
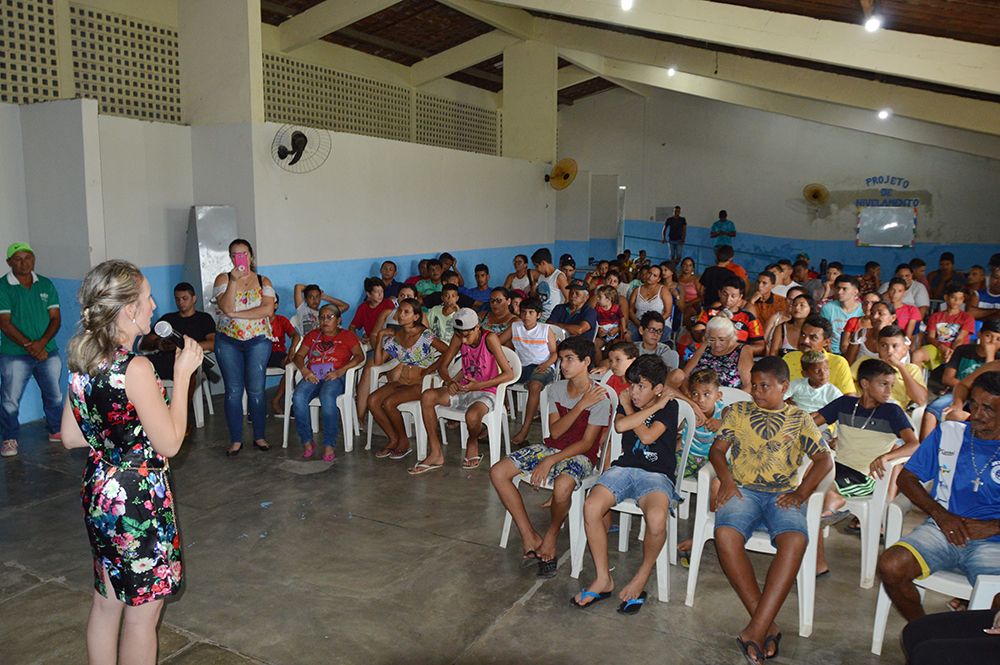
[748,328]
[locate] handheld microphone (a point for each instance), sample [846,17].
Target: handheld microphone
[166,331]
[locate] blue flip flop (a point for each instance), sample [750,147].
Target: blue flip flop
[597,597]
[632,606]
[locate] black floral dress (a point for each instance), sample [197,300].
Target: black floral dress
[127,504]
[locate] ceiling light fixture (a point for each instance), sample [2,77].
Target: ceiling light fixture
[671,71]
[873,24]
[626,4]
[884,114]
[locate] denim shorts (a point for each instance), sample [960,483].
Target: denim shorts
[759,509]
[631,483]
[530,373]
[466,400]
[933,552]
[526,459]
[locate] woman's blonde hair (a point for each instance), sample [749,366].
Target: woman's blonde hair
[105,290]
[722,324]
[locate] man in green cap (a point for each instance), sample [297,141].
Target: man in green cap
[29,320]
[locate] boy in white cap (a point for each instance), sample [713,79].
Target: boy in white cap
[484,367]
[29,320]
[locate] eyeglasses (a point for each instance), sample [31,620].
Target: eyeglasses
[327,317]
[496,300]
[658,331]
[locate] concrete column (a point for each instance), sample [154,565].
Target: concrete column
[530,83]
[222,70]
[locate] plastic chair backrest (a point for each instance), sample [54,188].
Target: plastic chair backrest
[732,395]
[515,365]
[294,320]
[561,334]
[685,416]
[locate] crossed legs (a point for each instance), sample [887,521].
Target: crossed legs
[502,475]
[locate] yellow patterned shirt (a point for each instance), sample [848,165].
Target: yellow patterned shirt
[767,447]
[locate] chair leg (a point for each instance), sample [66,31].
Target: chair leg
[444,432]
[684,508]
[495,435]
[577,534]
[505,423]
[663,565]
[314,417]
[698,539]
[198,407]
[344,405]
[881,618]
[206,389]
[421,436]
[672,540]
[870,528]
[624,528]
[807,588]
[368,443]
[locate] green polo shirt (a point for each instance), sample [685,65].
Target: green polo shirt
[28,309]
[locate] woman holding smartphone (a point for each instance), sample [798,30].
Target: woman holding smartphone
[244,300]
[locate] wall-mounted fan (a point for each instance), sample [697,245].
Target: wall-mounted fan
[300,149]
[816,194]
[562,174]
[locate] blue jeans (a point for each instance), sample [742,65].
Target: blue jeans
[244,367]
[936,407]
[760,509]
[328,392]
[15,371]
[676,249]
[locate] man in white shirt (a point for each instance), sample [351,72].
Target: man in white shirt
[783,271]
[916,293]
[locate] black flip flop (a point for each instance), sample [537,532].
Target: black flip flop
[597,597]
[745,648]
[530,558]
[632,606]
[547,569]
[777,644]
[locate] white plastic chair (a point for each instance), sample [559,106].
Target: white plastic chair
[629,507]
[345,404]
[519,393]
[202,394]
[870,511]
[495,420]
[704,530]
[412,412]
[733,395]
[947,582]
[577,535]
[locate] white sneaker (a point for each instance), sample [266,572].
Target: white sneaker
[9,448]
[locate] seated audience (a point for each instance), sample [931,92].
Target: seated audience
[985,302]
[576,317]
[813,391]
[567,265]
[867,430]
[390,287]
[962,530]
[441,317]
[535,345]
[645,472]
[758,487]
[435,299]
[550,285]
[499,317]
[448,262]
[783,270]
[422,273]
[596,278]
[690,284]
[908,317]
[893,347]
[281,327]
[418,352]
[800,273]
[651,328]
[863,343]
[650,296]
[872,279]
[323,358]
[579,415]
[722,353]
[711,280]
[387,319]
[474,388]
[915,292]
[765,303]
[188,321]
[815,336]
[612,320]
[977,278]
[919,269]
[944,275]
[669,282]
[844,307]
[864,321]
[307,301]
[481,294]
[965,360]
[522,278]
[620,358]
[432,283]
[948,329]
[783,329]
[748,328]
[375,303]
[833,271]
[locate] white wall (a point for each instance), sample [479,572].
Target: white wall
[375,197]
[675,149]
[13,207]
[573,209]
[148,189]
[223,169]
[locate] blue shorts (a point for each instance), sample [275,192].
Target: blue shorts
[526,459]
[759,509]
[928,544]
[530,373]
[631,483]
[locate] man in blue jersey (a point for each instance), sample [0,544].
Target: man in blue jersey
[963,530]
[985,303]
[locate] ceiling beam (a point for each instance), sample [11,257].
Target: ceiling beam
[324,18]
[460,57]
[573,75]
[512,21]
[587,47]
[597,65]
[920,57]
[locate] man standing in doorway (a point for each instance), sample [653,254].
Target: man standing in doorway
[675,231]
[723,231]
[29,320]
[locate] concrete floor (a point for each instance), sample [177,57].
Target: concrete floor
[291,561]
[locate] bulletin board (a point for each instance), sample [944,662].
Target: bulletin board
[883,226]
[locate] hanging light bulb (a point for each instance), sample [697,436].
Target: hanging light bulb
[873,24]
[884,114]
[626,4]
[671,71]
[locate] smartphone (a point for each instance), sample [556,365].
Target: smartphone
[241,262]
